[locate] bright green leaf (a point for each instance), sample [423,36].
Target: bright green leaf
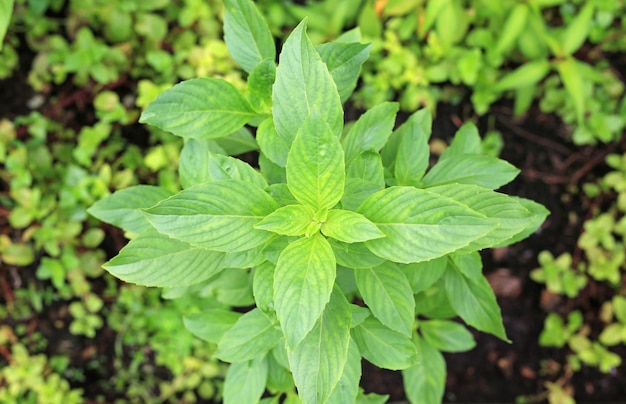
[211,324]
[246,34]
[303,281]
[426,381]
[485,171]
[245,381]
[218,215]
[122,209]
[466,140]
[318,361]
[347,388]
[370,131]
[384,347]
[413,155]
[202,108]
[574,82]
[303,87]
[420,122]
[222,167]
[237,143]
[344,62]
[153,259]
[272,145]
[577,30]
[513,27]
[420,225]
[260,82]
[263,288]
[386,291]
[290,220]
[524,76]
[315,166]
[251,337]
[6,10]
[423,275]
[354,255]
[349,227]
[475,302]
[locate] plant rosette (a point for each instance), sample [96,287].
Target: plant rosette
[337,244]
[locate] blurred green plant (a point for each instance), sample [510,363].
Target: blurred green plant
[603,246]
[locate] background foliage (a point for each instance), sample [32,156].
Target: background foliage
[92,66]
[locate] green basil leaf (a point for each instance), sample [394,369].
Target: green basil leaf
[237,143]
[466,140]
[413,154]
[290,220]
[263,288]
[347,388]
[279,378]
[318,361]
[153,259]
[475,302]
[506,212]
[384,347]
[420,121]
[349,227]
[539,213]
[223,223]
[485,171]
[222,167]
[202,108]
[385,289]
[246,34]
[303,281]
[446,335]
[423,275]
[370,131]
[426,381]
[260,83]
[273,146]
[122,209]
[194,160]
[245,381]
[315,166]
[367,166]
[354,255]
[300,92]
[6,10]
[420,225]
[252,336]
[344,62]
[357,191]
[211,324]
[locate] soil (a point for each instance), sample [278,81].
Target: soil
[495,371]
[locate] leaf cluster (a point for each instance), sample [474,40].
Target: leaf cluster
[332,216]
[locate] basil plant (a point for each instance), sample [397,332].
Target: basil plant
[341,244]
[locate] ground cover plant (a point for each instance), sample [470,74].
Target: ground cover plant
[329,220]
